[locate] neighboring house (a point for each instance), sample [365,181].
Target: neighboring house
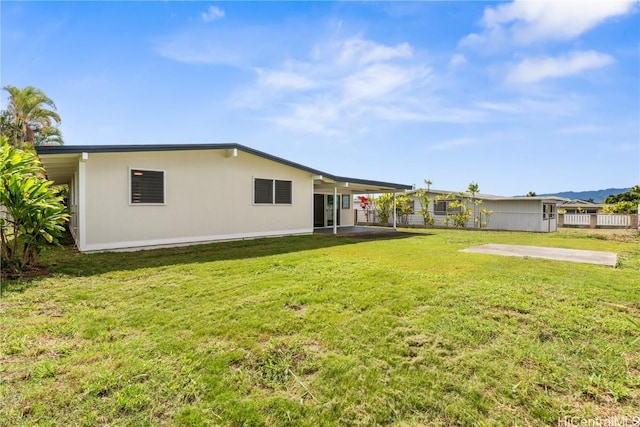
[506,213]
[577,206]
[582,214]
[137,196]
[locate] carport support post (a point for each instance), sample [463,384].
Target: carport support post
[335,210]
[394,211]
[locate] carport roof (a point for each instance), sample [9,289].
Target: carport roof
[60,163]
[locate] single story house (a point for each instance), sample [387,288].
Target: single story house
[584,214]
[537,214]
[577,206]
[139,196]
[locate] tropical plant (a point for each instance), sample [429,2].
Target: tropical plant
[424,197]
[473,189]
[622,207]
[33,213]
[48,135]
[384,206]
[626,202]
[461,213]
[404,208]
[485,214]
[32,117]
[8,128]
[365,205]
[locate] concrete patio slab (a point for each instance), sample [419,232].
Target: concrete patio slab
[573,255]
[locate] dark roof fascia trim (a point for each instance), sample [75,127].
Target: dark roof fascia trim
[73,149]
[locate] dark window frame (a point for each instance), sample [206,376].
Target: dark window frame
[141,192]
[262,191]
[346,198]
[280,192]
[448,210]
[549,213]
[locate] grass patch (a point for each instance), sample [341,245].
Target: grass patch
[324,330]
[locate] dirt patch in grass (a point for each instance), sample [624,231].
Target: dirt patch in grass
[33,272]
[298,308]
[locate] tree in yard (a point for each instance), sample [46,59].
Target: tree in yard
[531,194]
[461,213]
[8,128]
[626,202]
[424,197]
[31,117]
[474,189]
[404,207]
[384,206]
[485,214]
[32,213]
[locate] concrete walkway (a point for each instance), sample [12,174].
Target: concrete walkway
[574,255]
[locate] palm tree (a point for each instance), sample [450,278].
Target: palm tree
[31,111]
[47,135]
[474,189]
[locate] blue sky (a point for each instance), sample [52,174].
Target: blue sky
[516,96]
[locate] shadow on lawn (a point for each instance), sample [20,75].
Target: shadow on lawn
[68,261]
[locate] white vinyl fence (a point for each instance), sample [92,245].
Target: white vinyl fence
[602,220]
[577,219]
[614,220]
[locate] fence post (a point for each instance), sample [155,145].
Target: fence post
[593,221]
[560,220]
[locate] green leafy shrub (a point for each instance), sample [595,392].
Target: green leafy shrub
[32,213]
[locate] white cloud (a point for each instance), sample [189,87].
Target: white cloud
[525,21]
[379,80]
[212,14]
[360,51]
[457,60]
[532,70]
[285,80]
[538,104]
[340,86]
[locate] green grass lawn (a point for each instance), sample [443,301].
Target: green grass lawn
[325,330]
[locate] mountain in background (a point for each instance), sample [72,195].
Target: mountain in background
[598,196]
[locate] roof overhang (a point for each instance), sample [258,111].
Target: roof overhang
[60,168]
[61,162]
[356,186]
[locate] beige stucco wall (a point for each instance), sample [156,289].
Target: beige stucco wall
[208,197]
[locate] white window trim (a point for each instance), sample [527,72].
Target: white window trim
[164,187]
[273,189]
[344,197]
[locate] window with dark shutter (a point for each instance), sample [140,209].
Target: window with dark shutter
[283,192]
[147,186]
[263,191]
[272,191]
[440,207]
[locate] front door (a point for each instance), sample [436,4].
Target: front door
[329,210]
[323,210]
[318,210]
